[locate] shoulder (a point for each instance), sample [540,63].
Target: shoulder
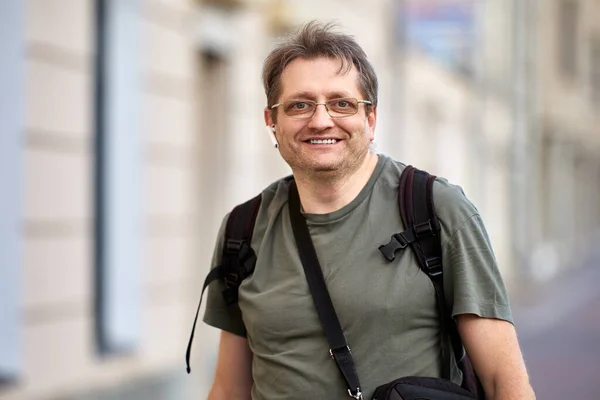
[453,208]
[455,211]
[449,199]
[272,200]
[276,194]
[451,202]
[272,195]
[389,175]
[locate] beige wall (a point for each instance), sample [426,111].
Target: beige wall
[566,101]
[171,216]
[58,347]
[58,209]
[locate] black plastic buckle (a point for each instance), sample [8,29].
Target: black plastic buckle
[234,246]
[423,229]
[240,253]
[433,266]
[231,279]
[397,242]
[240,260]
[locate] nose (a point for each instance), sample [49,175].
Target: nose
[321,119]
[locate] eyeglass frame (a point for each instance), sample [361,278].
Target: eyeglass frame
[367,102]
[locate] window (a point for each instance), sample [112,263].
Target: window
[117,175]
[567,38]
[11,114]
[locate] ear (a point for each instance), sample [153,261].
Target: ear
[371,122]
[268,115]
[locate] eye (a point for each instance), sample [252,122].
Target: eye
[342,103]
[298,105]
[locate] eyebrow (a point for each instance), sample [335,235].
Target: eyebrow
[311,96]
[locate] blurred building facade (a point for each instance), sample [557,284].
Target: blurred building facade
[135,125]
[565,66]
[106,233]
[517,130]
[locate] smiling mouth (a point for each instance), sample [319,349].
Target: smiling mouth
[322,141]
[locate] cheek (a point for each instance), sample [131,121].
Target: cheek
[359,129]
[289,130]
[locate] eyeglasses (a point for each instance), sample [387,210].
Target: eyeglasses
[336,108]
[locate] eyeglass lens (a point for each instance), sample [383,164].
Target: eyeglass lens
[306,108]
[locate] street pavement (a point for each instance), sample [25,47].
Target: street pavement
[559,333]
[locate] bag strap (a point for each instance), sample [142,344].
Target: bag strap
[339,349]
[420,213]
[422,234]
[237,262]
[417,210]
[238,257]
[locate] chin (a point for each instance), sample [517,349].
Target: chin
[324,169]
[320,168]
[314,164]
[324,165]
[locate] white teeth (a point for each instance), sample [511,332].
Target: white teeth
[326,141]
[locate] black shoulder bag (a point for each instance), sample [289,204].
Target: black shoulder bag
[404,388]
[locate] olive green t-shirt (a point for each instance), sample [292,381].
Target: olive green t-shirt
[387,309]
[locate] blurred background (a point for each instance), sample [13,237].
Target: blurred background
[128,128]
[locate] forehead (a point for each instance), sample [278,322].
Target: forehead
[319,77]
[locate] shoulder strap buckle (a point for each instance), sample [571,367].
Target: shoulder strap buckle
[433,266]
[241,259]
[397,242]
[234,246]
[424,229]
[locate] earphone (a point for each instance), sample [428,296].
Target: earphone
[271,132]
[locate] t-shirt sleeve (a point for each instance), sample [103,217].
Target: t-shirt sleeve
[217,312]
[472,280]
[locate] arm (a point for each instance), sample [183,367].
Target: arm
[233,377]
[494,350]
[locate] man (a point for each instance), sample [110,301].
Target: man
[322,107]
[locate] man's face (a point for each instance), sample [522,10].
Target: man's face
[318,80]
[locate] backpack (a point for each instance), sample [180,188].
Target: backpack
[422,235]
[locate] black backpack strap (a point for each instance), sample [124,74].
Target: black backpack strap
[237,262]
[238,257]
[422,234]
[415,201]
[417,210]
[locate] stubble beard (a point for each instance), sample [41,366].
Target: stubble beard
[345,165]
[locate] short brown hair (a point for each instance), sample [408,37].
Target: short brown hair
[314,40]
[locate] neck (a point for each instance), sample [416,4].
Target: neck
[322,194]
